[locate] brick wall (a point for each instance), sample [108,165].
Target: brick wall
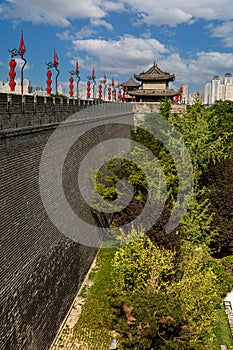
[41,269]
[18,111]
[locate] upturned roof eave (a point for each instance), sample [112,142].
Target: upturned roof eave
[158,92]
[159,77]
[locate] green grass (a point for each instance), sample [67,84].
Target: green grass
[222,331]
[90,329]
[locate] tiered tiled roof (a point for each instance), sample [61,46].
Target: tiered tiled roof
[153,74]
[131,83]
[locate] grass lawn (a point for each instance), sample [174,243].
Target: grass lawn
[222,331]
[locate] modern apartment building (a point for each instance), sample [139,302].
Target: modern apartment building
[217,90]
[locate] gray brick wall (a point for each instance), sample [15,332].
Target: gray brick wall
[41,269]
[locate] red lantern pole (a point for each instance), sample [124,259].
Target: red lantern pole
[71,80]
[49,82]
[114,95]
[12,74]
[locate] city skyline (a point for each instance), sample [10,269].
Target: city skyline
[194,41]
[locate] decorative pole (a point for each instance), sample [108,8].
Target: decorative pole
[119,91]
[54,64]
[114,90]
[76,72]
[19,52]
[105,85]
[103,82]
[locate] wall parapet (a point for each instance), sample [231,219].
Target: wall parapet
[17,111]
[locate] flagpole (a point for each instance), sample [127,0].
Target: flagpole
[22,73]
[58,72]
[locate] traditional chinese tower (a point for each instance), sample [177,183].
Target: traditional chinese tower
[154,85]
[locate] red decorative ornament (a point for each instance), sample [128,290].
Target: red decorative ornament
[12,84]
[93,74]
[109,94]
[12,74]
[113,82]
[12,64]
[105,79]
[49,82]
[71,80]
[88,89]
[100,92]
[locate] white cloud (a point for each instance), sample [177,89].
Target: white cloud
[200,69]
[54,12]
[101,23]
[172,13]
[123,56]
[151,12]
[224,32]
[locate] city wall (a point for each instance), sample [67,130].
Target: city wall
[18,111]
[41,269]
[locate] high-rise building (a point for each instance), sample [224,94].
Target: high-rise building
[185,95]
[215,89]
[228,79]
[207,94]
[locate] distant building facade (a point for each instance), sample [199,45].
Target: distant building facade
[218,90]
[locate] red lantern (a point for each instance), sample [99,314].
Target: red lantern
[12,64]
[105,79]
[109,94]
[12,74]
[49,73]
[48,89]
[71,86]
[12,84]
[100,92]
[49,82]
[88,89]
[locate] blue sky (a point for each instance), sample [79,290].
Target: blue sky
[192,39]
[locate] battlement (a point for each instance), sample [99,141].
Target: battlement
[17,111]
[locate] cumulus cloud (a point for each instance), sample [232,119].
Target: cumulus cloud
[54,12]
[151,12]
[96,22]
[224,32]
[123,55]
[199,69]
[172,13]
